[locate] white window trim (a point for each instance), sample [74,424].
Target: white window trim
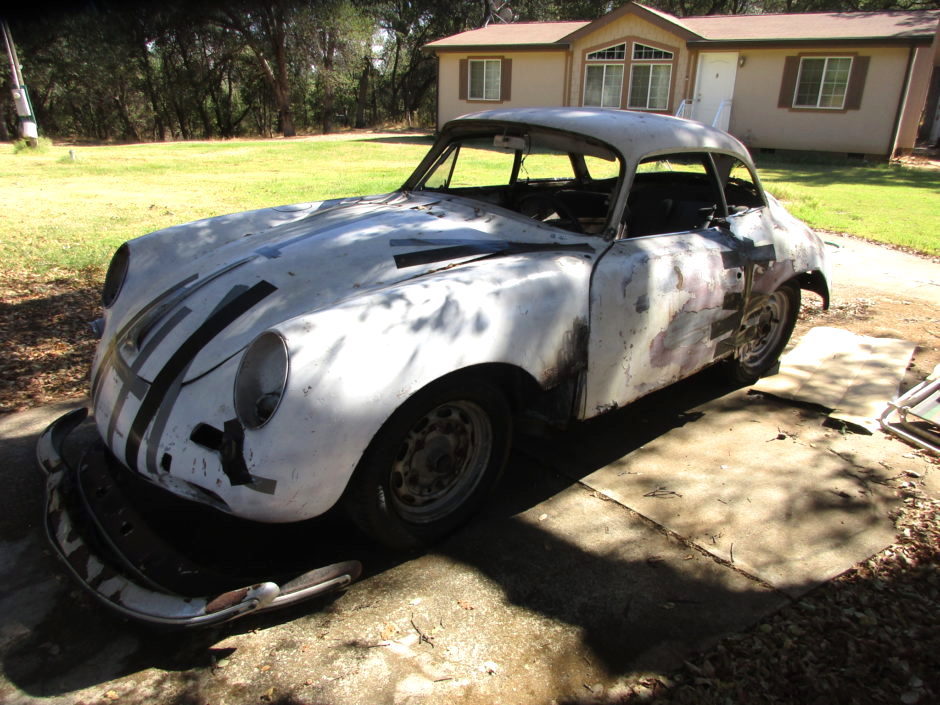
[822,82]
[612,46]
[672,55]
[499,91]
[619,87]
[659,62]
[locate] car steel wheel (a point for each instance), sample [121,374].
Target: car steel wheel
[441,460]
[432,464]
[771,326]
[772,330]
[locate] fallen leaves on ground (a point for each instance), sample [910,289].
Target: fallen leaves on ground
[46,344]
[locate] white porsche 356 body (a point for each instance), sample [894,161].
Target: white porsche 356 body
[374,350]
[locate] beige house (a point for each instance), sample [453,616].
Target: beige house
[855,83]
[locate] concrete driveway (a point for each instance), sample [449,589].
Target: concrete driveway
[615,548]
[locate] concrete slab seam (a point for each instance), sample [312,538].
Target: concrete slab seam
[668,533]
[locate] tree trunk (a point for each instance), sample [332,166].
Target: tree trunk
[276,78]
[326,71]
[362,95]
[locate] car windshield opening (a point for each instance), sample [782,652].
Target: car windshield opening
[556,178]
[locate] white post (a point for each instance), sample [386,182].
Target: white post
[24,109]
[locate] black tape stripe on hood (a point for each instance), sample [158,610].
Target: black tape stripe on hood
[480,247]
[179,362]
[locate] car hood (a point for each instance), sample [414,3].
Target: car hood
[210,287]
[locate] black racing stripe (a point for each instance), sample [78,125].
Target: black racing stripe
[726,325]
[733,259]
[413,259]
[180,361]
[764,253]
[135,385]
[121,334]
[159,421]
[484,248]
[733,301]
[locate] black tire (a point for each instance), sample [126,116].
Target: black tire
[777,318]
[432,463]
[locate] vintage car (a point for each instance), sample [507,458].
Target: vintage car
[372,352]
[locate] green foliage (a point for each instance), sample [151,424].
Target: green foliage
[113,71]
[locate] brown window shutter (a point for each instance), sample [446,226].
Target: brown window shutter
[464,79]
[505,88]
[853,94]
[791,69]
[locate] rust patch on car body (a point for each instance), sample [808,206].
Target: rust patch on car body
[571,358]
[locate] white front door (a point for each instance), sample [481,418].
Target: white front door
[714,87]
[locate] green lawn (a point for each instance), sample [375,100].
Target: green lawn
[65,214]
[893,204]
[73,214]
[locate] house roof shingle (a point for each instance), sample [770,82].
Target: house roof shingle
[721,28]
[816,25]
[515,34]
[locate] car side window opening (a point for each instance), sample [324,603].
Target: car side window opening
[739,184]
[672,193]
[555,178]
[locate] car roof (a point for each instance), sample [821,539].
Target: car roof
[634,134]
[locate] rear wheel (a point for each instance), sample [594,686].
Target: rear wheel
[432,463]
[774,326]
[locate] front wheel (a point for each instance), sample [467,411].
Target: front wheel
[432,463]
[775,322]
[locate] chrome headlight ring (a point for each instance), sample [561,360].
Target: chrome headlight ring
[261,379]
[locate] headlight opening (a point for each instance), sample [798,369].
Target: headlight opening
[114,279]
[261,379]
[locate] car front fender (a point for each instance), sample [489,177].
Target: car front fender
[353,365]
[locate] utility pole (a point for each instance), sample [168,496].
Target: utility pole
[24,109]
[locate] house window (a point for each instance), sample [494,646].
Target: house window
[641,51]
[614,53]
[649,86]
[823,82]
[650,78]
[485,79]
[603,84]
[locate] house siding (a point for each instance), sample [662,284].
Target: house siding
[758,121]
[535,82]
[873,121]
[630,28]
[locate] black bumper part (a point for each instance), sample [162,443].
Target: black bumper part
[89,531]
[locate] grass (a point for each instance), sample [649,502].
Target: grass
[68,208]
[71,214]
[892,204]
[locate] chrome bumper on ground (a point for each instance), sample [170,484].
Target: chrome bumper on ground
[83,544]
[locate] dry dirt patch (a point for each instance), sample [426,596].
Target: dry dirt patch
[46,343]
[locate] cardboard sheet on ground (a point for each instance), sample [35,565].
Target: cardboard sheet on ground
[855,375]
[764,486]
